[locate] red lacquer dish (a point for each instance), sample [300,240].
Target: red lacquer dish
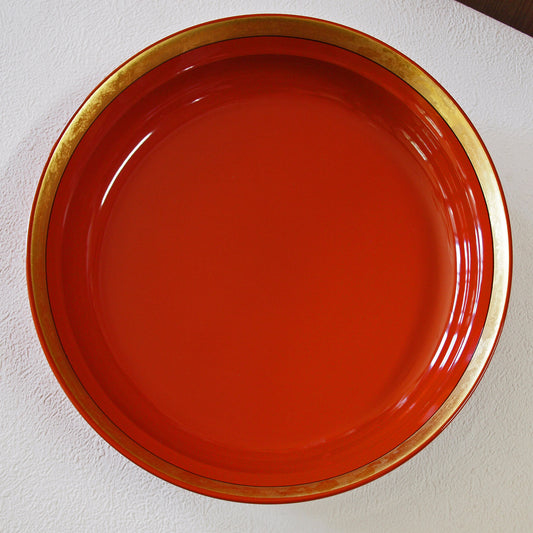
[269,259]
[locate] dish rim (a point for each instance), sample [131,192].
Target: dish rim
[281,26]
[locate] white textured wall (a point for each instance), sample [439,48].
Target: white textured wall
[57,475]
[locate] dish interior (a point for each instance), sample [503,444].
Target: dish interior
[269,261]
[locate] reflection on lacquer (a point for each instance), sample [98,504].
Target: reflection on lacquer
[455,198]
[121,168]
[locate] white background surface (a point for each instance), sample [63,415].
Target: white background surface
[57,475]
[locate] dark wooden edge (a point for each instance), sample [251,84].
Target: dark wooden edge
[515,13]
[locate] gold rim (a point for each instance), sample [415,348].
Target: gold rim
[249,26]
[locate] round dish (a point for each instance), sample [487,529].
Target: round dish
[269,258]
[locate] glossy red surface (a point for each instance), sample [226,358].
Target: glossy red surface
[269,261]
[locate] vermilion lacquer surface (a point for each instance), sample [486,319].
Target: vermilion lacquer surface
[269,261]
